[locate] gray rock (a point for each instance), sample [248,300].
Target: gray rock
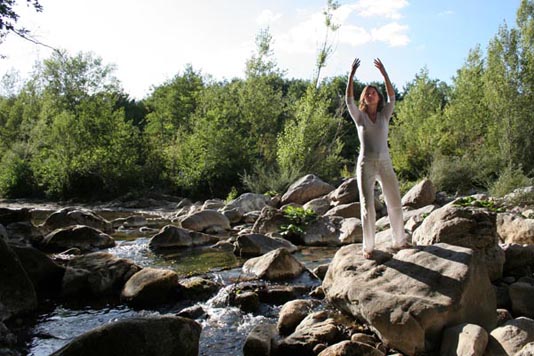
[275,265]
[346,193]
[150,287]
[319,205]
[259,244]
[465,340]
[514,229]
[259,340]
[141,336]
[72,216]
[292,314]
[305,189]
[511,337]
[86,238]
[350,210]
[410,298]
[421,194]
[521,293]
[204,220]
[171,236]
[349,348]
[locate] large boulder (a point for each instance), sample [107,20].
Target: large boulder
[73,216]
[141,336]
[292,314]
[518,256]
[97,274]
[24,233]
[421,194]
[270,220]
[171,236]
[515,229]
[350,210]
[151,286]
[474,228]
[17,294]
[10,215]
[410,298]
[248,202]
[275,265]
[85,238]
[305,189]
[521,293]
[465,340]
[206,220]
[253,245]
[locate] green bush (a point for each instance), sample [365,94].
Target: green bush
[452,174]
[16,177]
[269,179]
[510,179]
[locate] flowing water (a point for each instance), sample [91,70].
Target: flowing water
[224,329]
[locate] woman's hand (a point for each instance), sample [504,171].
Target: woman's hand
[355,65]
[378,64]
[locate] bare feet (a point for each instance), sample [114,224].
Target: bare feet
[367,254]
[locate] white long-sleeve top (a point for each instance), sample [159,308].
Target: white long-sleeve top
[373,135]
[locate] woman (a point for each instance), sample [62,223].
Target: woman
[374,163]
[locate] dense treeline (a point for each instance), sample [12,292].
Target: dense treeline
[70,131]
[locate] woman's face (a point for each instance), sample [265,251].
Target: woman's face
[371,96]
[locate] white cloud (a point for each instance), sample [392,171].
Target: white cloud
[267,17]
[381,8]
[446,13]
[393,34]
[354,35]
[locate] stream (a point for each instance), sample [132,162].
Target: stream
[224,329]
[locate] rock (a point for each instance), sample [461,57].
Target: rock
[346,193]
[517,256]
[86,238]
[198,288]
[465,340]
[150,287]
[259,340]
[71,216]
[10,215]
[213,204]
[292,314]
[269,221]
[467,227]
[17,294]
[7,338]
[417,214]
[192,312]
[97,274]
[45,275]
[24,233]
[204,220]
[349,348]
[171,236]
[305,189]
[280,294]
[275,265]
[521,293]
[350,231]
[259,244]
[248,301]
[325,231]
[135,221]
[248,202]
[316,328]
[320,271]
[527,350]
[319,205]
[351,210]
[233,215]
[514,229]
[410,298]
[141,336]
[421,194]
[511,337]
[503,316]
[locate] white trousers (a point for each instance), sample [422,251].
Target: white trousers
[369,171]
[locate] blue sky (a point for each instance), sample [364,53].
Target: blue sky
[151,41]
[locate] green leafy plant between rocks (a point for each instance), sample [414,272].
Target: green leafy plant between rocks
[298,218]
[473,202]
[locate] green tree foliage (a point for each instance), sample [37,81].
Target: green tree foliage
[418,126]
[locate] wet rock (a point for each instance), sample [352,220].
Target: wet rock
[97,274]
[141,336]
[511,337]
[17,294]
[86,238]
[45,275]
[24,233]
[467,227]
[72,216]
[465,340]
[248,301]
[151,287]
[259,340]
[305,189]
[292,314]
[198,288]
[280,294]
[193,312]
[259,244]
[205,220]
[171,236]
[275,265]
[409,298]
[420,195]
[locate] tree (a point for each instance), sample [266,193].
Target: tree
[9,18]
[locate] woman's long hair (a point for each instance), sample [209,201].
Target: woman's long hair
[363,105]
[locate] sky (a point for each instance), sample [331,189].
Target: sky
[150,42]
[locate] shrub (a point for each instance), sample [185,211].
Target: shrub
[509,179]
